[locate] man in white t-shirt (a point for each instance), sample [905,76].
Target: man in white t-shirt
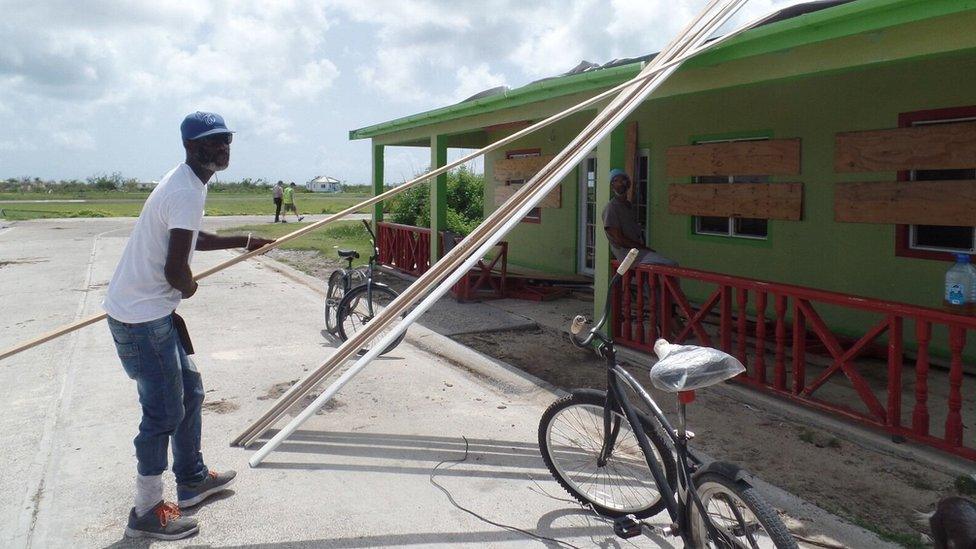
[149,282]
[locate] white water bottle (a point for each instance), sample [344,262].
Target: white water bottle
[960,285]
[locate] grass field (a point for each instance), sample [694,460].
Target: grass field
[107,204]
[350,235]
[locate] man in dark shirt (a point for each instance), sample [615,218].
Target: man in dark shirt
[620,224]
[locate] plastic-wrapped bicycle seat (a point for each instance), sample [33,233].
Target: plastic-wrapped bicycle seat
[689,367]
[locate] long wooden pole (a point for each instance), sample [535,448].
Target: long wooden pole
[64,330]
[407,298]
[449,264]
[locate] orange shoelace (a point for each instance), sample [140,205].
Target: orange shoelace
[166,512]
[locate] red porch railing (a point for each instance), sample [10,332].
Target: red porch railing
[404,247]
[407,249]
[777,331]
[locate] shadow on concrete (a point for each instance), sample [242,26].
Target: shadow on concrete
[579,523]
[493,458]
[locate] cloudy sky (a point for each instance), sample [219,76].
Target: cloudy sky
[99,87]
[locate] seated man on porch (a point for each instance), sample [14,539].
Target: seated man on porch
[620,224]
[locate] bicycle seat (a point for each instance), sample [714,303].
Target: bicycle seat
[349,253]
[688,367]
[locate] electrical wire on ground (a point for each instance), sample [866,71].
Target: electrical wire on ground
[480,517]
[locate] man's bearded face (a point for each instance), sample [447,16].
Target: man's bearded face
[212,152]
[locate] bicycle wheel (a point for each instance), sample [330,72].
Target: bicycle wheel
[356,311]
[739,512]
[571,437]
[333,296]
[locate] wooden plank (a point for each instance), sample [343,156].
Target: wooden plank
[552,200]
[506,170]
[932,147]
[630,159]
[767,157]
[907,202]
[761,200]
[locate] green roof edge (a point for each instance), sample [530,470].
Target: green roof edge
[838,21]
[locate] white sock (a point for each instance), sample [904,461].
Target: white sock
[149,492]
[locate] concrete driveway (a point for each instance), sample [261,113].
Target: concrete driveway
[357,475]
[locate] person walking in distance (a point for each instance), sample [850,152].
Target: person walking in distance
[290,203]
[276,193]
[153,345]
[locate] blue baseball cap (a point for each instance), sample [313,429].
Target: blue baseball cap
[617,172]
[201,124]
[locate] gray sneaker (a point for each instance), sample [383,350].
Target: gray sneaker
[193,494]
[164,521]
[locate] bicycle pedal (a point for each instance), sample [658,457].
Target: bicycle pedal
[626,527]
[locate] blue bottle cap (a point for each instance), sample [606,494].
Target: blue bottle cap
[962,258]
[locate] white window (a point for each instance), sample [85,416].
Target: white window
[940,238]
[737,227]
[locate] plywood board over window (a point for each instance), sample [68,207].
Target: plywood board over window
[752,200]
[941,203]
[936,146]
[765,157]
[510,174]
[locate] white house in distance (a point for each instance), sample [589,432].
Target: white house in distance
[324,184]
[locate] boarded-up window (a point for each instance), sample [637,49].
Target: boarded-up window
[535,214]
[940,238]
[740,227]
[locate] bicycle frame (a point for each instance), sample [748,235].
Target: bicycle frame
[618,380]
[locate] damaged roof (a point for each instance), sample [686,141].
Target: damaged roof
[799,24]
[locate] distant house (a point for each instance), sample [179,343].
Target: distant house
[147,185]
[324,184]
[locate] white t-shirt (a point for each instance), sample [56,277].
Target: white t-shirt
[139,291]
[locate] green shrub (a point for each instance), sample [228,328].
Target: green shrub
[465,203]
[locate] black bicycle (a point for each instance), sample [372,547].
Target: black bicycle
[353,298]
[624,464]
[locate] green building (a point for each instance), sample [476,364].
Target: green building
[831,148]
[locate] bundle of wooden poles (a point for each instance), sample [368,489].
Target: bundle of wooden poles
[405,309]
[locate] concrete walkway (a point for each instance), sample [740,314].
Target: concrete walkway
[357,475]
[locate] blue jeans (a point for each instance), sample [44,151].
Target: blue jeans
[171,395]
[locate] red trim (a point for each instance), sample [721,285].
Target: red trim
[902,232]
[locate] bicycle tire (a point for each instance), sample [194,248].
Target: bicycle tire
[761,520]
[580,415]
[333,296]
[353,313]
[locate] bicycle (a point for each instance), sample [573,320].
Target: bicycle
[624,464]
[353,298]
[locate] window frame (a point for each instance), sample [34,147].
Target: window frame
[535,214]
[903,233]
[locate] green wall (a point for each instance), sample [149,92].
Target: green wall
[846,257]
[550,245]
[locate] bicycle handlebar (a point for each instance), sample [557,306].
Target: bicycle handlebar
[579,321]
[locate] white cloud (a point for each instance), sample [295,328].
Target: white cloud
[473,80]
[74,60]
[78,140]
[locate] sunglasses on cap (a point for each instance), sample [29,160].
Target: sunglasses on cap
[218,138]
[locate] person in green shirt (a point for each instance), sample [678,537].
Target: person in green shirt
[289,201]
